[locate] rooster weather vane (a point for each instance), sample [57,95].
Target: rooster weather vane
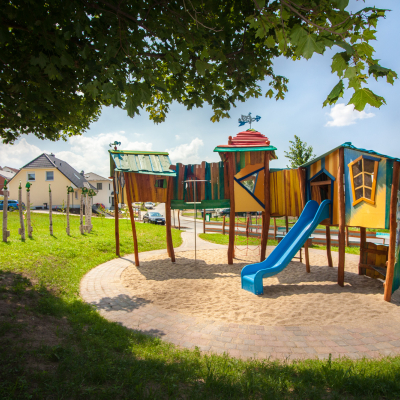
[244,119]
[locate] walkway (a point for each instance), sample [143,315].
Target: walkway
[103,287]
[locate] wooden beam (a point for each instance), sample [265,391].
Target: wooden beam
[328,245]
[275,228]
[320,183]
[287,223]
[301,173]
[347,237]
[393,225]
[363,241]
[267,208]
[204,221]
[128,186]
[341,202]
[116,216]
[170,246]
[231,174]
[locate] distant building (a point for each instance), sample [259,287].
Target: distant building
[104,189]
[48,170]
[6,173]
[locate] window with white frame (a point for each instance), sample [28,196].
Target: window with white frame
[49,175]
[31,176]
[99,186]
[76,195]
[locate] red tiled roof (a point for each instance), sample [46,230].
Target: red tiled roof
[247,139]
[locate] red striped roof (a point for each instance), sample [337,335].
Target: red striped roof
[247,139]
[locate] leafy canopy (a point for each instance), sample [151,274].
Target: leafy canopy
[61,61]
[299,153]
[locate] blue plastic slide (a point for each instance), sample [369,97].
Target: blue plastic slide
[312,215]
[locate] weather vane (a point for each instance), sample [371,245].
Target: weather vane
[244,119]
[115,144]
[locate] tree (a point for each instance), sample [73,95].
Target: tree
[299,153]
[61,61]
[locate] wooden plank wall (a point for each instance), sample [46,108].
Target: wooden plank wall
[143,188]
[216,189]
[285,193]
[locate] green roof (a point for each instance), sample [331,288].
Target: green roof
[141,162]
[240,149]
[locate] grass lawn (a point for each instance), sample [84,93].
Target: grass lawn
[55,346]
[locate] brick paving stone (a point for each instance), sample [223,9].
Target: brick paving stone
[103,288]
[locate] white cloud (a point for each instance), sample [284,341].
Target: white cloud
[187,153]
[90,153]
[19,154]
[343,115]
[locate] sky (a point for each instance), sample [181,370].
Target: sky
[190,136]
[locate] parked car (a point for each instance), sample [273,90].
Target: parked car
[154,218]
[12,205]
[149,205]
[224,211]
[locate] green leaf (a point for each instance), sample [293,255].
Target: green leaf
[334,95]
[341,4]
[201,67]
[67,60]
[368,34]
[364,96]
[364,49]
[269,94]
[52,71]
[130,106]
[297,34]
[345,46]
[204,54]
[308,46]
[340,62]
[42,60]
[350,72]
[270,42]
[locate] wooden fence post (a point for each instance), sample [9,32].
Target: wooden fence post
[328,245]
[50,211]
[223,225]
[81,215]
[204,221]
[231,174]
[393,226]
[267,208]
[116,215]
[6,232]
[363,241]
[28,209]
[21,230]
[170,246]
[179,221]
[129,199]
[302,180]
[67,210]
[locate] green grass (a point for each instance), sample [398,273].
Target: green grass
[241,240]
[87,357]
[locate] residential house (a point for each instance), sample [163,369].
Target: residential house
[104,188]
[48,170]
[6,173]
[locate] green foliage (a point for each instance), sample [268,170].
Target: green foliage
[299,153]
[63,60]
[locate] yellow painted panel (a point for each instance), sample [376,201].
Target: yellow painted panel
[244,201]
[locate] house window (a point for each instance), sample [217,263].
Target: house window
[161,183]
[99,186]
[363,176]
[76,195]
[31,176]
[109,186]
[49,175]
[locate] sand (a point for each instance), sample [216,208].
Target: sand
[211,289]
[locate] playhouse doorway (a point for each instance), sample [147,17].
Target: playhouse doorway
[322,186]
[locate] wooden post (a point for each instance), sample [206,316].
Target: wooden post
[267,208]
[287,223]
[132,215]
[363,241]
[67,213]
[28,211]
[341,218]
[302,180]
[393,225]
[347,236]
[204,221]
[81,215]
[170,245]
[6,232]
[179,221]
[90,213]
[328,245]
[50,211]
[173,213]
[231,174]
[223,224]
[21,230]
[86,227]
[275,228]
[247,226]
[116,216]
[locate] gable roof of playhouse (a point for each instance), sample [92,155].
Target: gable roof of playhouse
[249,140]
[140,162]
[50,161]
[347,145]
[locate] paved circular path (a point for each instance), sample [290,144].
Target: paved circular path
[103,288]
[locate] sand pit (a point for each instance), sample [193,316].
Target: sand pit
[212,290]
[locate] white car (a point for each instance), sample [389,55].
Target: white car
[149,205]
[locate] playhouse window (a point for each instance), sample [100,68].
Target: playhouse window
[363,175]
[161,183]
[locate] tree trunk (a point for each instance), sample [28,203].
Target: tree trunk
[6,233]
